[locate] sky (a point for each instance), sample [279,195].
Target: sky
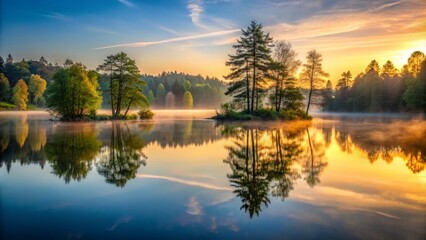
[196,36]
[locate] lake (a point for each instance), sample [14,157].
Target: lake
[181,176]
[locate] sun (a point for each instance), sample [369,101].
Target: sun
[401,57]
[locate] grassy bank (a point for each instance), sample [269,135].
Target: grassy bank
[4,106]
[261,114]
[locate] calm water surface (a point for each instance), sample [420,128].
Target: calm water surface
[180,176]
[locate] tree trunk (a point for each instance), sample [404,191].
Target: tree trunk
[248,87]
[130,103]
[254,77]
[309,100]
[110,91]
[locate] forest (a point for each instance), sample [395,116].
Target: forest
[380,89]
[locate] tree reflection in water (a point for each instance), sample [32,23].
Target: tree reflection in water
[71,149]
[264,161]
[384,141]
[314,163]
[120,161]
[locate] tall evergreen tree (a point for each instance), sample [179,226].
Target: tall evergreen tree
[249,66]
[5,90]
[1,65]
[160,96]
[342,89]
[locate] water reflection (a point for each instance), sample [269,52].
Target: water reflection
[267,160]
[120,160]
[384,141]
[71,150]
[314,162]
[263,159]
[329,176]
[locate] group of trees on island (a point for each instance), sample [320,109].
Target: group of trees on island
[384,89]
[263,82]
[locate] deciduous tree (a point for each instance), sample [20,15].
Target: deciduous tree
[37,86]
[73,93]
[313,74]
[20,95]
[188,102]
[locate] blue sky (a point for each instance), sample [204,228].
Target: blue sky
[195,36]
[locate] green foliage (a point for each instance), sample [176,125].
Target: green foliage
[131,117]
[70,153]
[294,114]
[313,74]
[125,85]
[20,95]
[255,75]
[414,95]
[161,95]
[73,94]
[375,91]
[5,90]
[150,97]
[6,106]
[266,114]
[229,113]
[37,86]
[16,71]
[206,92]
[327,96]
[248,66]
[187,100]
[101,117]
[187,85]
[123,157]
[145,114]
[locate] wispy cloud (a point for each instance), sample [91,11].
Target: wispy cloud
[171,40]
[195,10]
[101,30]
[57,16]
[127,3]
[387,5]
[169,30]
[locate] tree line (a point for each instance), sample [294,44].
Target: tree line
[180,90]
[380,89]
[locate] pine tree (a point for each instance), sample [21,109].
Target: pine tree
[125,84]
[249,66]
